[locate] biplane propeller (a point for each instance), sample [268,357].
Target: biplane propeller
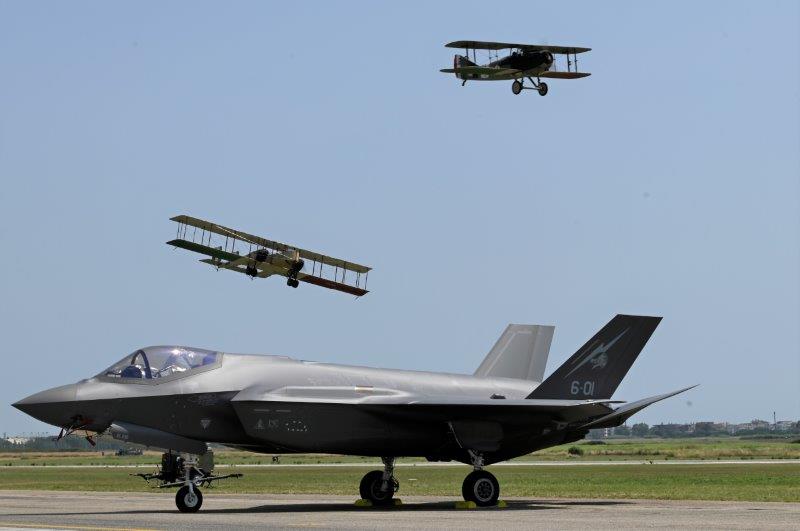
[259,257]
[525,61]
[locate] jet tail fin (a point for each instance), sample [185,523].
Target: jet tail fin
[520,352]
[597,369]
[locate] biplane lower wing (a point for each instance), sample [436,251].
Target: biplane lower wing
[332,284]
[213,252]
[564,75]
[230,266]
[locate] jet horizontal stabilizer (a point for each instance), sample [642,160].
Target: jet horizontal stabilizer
[623,413]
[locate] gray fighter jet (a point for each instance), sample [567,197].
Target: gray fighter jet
[180,399]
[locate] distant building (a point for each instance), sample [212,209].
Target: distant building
[18,440]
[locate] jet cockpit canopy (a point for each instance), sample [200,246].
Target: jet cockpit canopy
[157,363]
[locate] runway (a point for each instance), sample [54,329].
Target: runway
[95,511]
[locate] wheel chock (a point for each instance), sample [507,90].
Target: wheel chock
[396,502]
[465,505]
[501,504]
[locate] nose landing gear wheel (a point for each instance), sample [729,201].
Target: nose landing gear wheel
[189,500]
[516,87]
[371,485]
[482,488]
[542,88]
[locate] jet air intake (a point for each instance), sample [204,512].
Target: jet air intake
[132,433]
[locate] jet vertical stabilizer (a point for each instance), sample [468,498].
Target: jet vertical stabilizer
[597,369]
[520,352]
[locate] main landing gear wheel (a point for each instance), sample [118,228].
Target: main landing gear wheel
[372,488]
[516,87]
[293,282]
[542,88]
[482,488]
[188,499]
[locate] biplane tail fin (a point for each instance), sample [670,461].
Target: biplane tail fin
[460,61]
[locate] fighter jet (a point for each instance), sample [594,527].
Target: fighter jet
[180,399]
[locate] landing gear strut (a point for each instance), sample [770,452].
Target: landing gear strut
[480,486]
[189,474]
[379,486]
[517,86]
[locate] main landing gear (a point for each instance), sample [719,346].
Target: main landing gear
[379,486]
[480,486]
[517,86]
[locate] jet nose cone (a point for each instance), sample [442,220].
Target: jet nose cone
[50,405]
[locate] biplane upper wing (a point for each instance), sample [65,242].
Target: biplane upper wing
[225,255]
[486,45]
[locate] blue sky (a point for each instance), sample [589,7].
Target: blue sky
[667,183]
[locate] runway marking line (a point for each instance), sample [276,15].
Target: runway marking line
[68,526]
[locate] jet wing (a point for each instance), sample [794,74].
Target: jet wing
[488,45]
[392,401]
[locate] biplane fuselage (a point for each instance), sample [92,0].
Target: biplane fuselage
[514,66]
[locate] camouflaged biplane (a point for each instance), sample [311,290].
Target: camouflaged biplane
[525,61]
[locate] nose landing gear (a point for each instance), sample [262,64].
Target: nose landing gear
[189,499]
[189,474]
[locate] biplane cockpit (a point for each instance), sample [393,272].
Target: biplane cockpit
[158,363]
[526,61]
[259,257]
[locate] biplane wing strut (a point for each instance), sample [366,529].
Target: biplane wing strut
[255,256]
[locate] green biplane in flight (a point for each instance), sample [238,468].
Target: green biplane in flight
[259,257]
[525,61]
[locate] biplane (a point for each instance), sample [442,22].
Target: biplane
[525,61]
[259,257]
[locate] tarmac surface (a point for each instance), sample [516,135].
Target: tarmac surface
[98,510]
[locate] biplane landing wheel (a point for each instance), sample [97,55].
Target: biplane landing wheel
[516,87]
[542,88]
[293,282]
[189,500]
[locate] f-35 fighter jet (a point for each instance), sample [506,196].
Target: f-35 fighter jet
[179,399]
